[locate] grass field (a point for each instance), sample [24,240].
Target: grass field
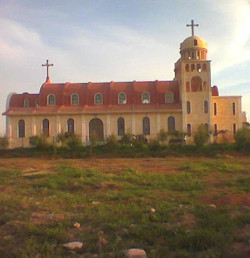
[201,207]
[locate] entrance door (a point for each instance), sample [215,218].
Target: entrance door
[96,129]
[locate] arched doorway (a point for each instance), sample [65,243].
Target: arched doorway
[96,129]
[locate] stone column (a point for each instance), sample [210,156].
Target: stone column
[133,124]
[33,125]
[58,124]
[83,129]
[158,123]
[108,132]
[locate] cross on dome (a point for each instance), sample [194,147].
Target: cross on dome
[47,65]
[192,26]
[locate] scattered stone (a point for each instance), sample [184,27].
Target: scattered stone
[152,210]
[77,225]
[73,245]
[212,206]
[136,253]
[102,241]
[95,203]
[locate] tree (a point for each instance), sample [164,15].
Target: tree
[242,139]
[39,142]
[201,136]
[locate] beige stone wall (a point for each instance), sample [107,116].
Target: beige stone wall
[58,124]
[225,119]
[197,115]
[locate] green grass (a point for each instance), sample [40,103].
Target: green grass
[38,211]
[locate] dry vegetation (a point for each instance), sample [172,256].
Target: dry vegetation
[201,206]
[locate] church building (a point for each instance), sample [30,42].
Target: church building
[137,107]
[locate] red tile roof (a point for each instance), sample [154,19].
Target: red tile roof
[87,91]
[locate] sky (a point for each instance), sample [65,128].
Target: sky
[119,40]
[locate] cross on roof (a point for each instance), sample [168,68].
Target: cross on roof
[192,26]
[48,65]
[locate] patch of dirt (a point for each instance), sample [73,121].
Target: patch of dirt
[242,200]
[240,250]
[39,218]
[188,221]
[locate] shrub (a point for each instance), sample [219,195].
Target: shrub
[201,136]
[154,146]
[162,136]
[126,139]
[242,139]
[38,142]
[74,142]
[4,142]
[112,141]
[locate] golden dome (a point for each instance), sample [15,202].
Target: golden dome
[193,42]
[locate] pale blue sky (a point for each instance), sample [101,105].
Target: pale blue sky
[119,40]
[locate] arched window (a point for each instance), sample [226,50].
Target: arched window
[204,67]
[146,126]
[98,99]
[192,67]
[187,86]
[122,98]
[198,55]
[51,99]
[75,99]
[187,67]
[121,126]
[46,127]
[195,42]
[188,107]
[71,126]
[96,129]
[171,124]
[26,103]
[196,84]
[145,99]
[189,129]
[199,68]
[206,106]
[169,97]
[21,129]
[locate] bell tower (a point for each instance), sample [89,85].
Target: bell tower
[193,73]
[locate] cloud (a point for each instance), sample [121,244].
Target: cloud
[232,48]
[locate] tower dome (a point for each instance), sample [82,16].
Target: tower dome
[193,47]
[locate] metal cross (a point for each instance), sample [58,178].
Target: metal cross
[48,65]
[192,25]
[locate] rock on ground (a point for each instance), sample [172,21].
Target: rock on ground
[136,253]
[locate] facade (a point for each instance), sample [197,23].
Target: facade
[117,108]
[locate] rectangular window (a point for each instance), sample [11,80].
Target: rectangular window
[234,109]
[215,109]
[215,129]
[188,107]
[206,106]
[234,129]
